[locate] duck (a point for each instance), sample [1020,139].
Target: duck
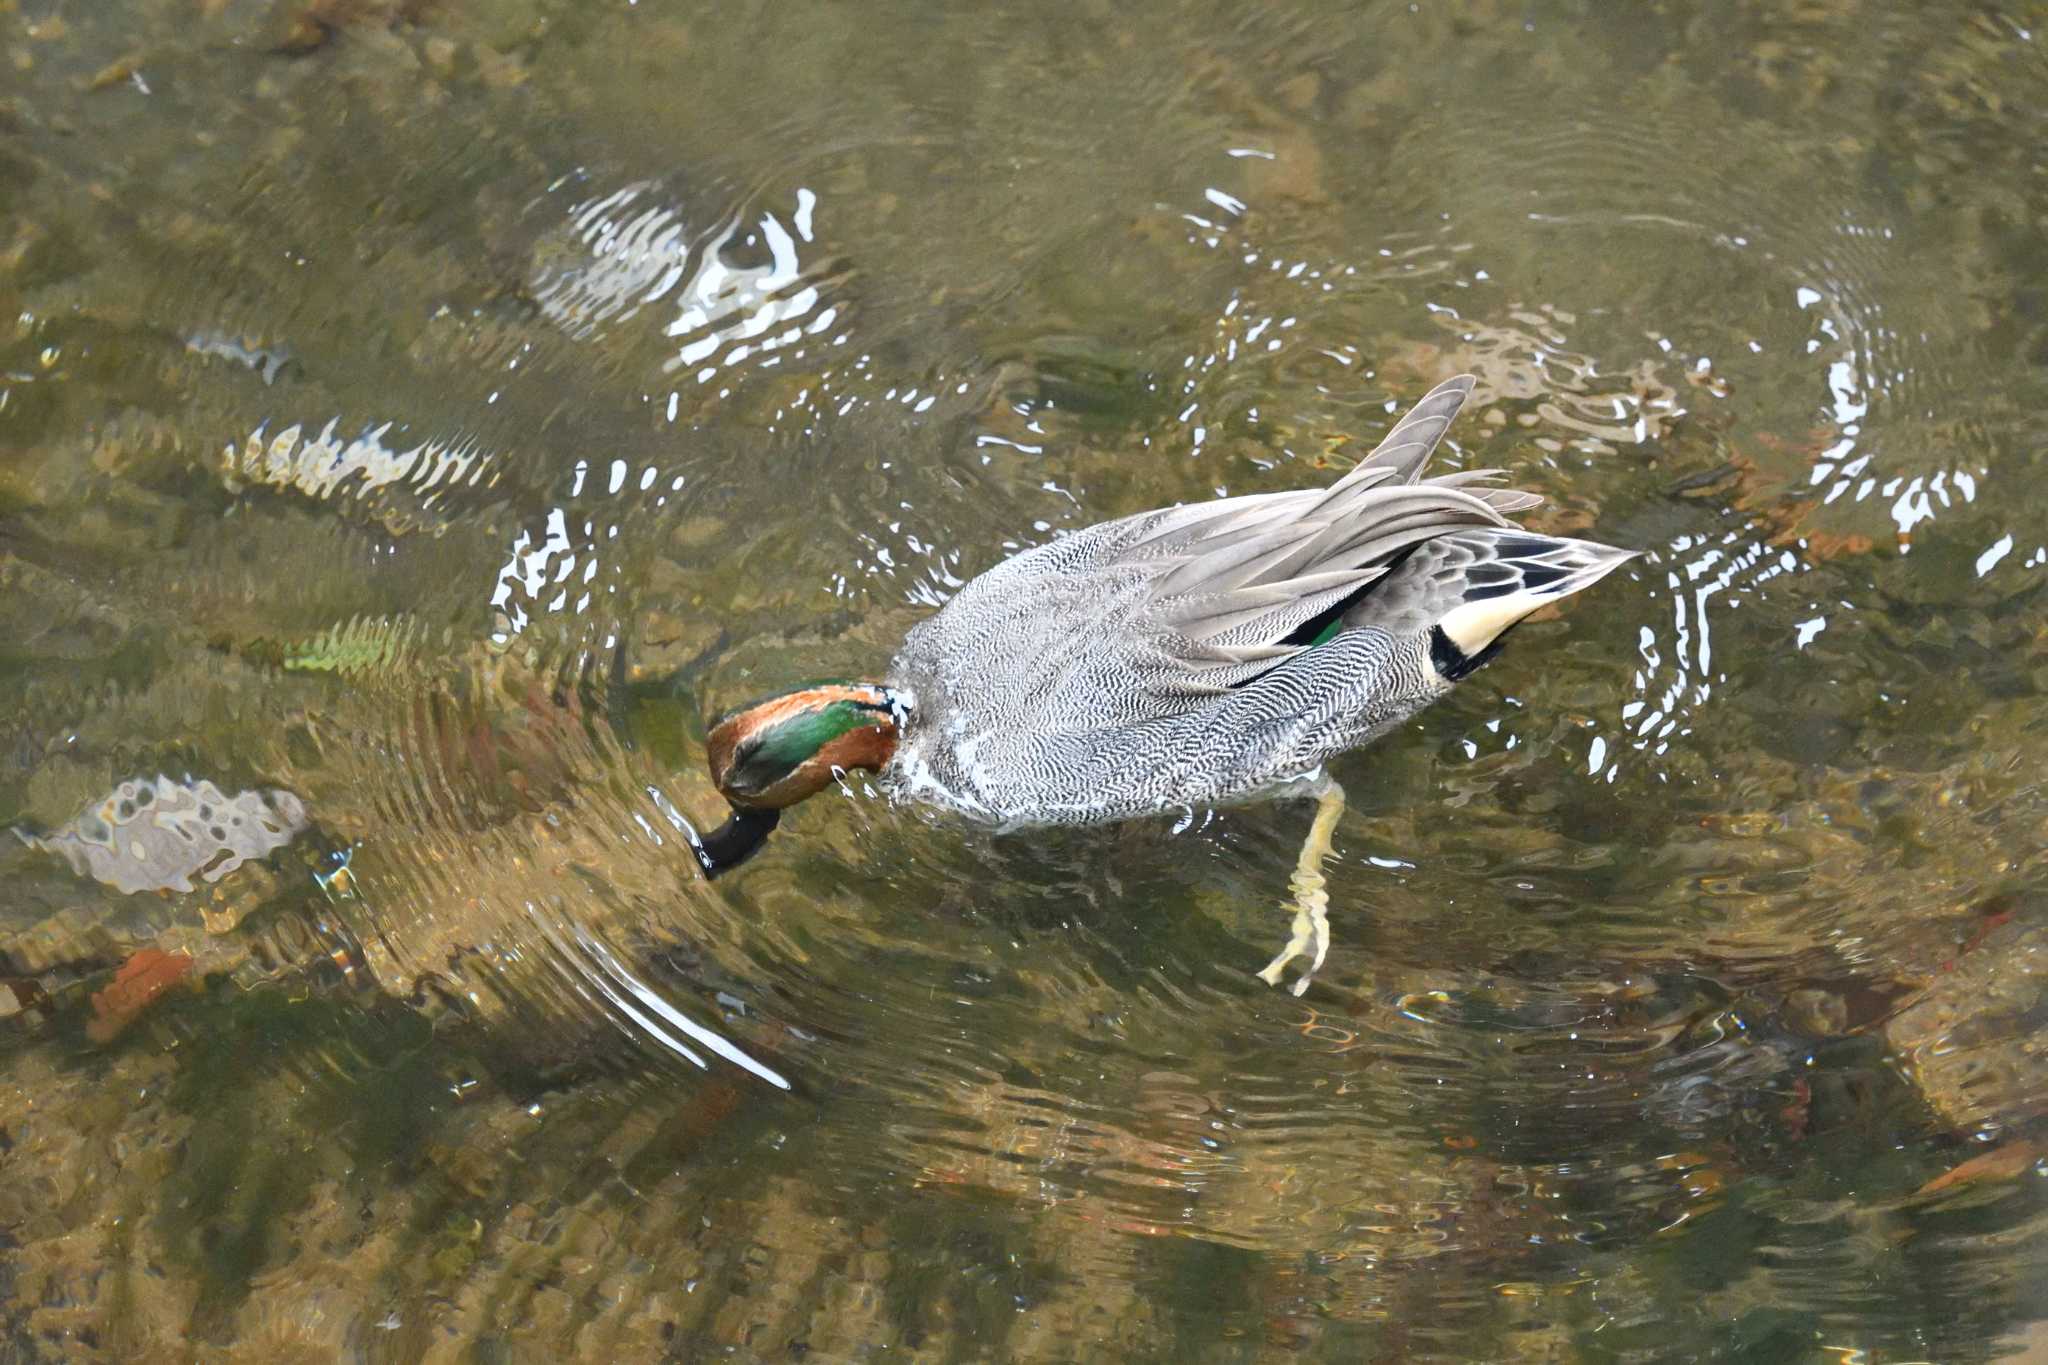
[1189,658]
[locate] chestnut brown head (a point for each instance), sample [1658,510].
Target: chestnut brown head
[775,753]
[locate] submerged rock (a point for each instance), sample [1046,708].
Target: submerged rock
[1970,1043]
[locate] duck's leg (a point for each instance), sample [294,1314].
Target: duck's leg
[1311,893]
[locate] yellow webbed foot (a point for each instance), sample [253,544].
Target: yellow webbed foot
[1311,895]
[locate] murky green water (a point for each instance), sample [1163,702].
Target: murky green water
[416,419]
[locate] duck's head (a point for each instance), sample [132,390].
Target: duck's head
[770,755]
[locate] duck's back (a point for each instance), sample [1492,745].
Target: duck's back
[1188,655]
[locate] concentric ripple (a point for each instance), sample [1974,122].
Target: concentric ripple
[417,421]
[715,299]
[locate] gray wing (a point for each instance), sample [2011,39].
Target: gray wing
[1154,614]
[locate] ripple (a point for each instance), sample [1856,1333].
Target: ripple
[535,849]
[550,572]
[1664,178]
[1843,320]
[1672,958]
[402,489]
[723,299]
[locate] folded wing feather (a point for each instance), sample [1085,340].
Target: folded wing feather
[1225,584]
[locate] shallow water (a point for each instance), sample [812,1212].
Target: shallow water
[416,420]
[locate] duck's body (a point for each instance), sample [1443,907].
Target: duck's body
[1243,745]
[1186,657]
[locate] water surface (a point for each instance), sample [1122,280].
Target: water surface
[416,420]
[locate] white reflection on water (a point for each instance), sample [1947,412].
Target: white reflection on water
[742,290]
[586,962]
[555,569]
[1676,675]
[762,308]
[1914,498]
[158,834]
[325,466]
[636,253]
[755,291]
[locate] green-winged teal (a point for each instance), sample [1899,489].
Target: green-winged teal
[1181,658]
